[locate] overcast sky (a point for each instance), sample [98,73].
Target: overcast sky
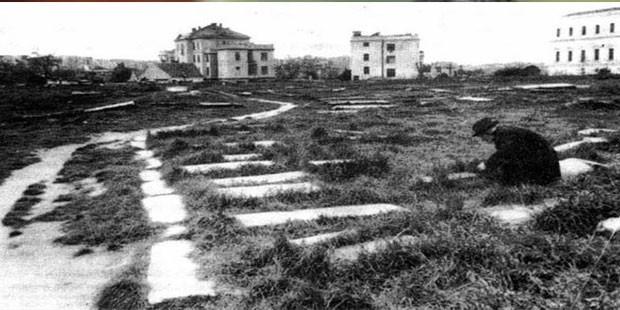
[466,33]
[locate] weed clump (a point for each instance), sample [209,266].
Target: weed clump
[21,208]
[123,295]
[375,166]
[587,201]
[177,147]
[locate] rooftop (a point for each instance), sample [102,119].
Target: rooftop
[592,12]
[213,31]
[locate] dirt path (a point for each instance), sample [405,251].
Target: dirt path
[35,272]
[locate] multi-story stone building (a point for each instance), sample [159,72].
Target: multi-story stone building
[384,56]
[221,53]
[585,42]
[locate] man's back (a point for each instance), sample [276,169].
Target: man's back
[522,156]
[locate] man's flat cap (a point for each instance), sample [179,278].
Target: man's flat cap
[482,126]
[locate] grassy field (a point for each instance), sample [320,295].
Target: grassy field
[461,259]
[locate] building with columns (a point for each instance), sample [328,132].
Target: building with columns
[385,56]
[221,53]
[585,42]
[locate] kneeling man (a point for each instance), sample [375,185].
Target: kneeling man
[522,157]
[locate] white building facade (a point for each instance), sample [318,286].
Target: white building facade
[384,56]
[220,53]
[585,42]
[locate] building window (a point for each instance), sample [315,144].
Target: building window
[583,56]
[252,69]
[264,70]
[390,59]
[557,33]
[237,56]
[390,47]
[182,50]
[596,54]
[198,58]
[207,72]
[570,56]
[611,54]
[570,31]
[263,56]
[391,72]
[237,68]
[206,58]
[612,27]
[597,29]
[366,70]
[583,30]
[366,57]
[356,78]
[365,44]
[557,56]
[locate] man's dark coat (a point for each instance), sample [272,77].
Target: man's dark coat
[522,156]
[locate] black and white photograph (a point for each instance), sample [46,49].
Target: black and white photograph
[309,155]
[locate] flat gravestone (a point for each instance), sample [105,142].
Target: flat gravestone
[165,208]
[281,217]
[267,190]
[546,86]
[611,224]
[337,111]
[261,179]
[241,157]
[111,106]
[225,166]
[362,106]
[144,154]
[153,163]
[155,188]
[572,167]
[591,131]
[359,102]
[320,238]
[474,99]
[174,230]
[139,138]
[352,252]
[328,161]
[572,145]
[171,274]
[138,144]
[516,214]
[263,143]
[150,175]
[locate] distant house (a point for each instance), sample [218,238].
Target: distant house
[170,72]
[220,53]
[439,68]
[385,56]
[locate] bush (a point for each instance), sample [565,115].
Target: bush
[375,166]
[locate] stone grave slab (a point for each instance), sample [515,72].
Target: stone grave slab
[155,188]
[362,106]
[174,230]
[138,144]
[261,179]
[150,175]
[284,106]
[328,161]
[176,89]
[267,190]
[263,143]
[545,86]
[352,252]
[516,214]
[139,138]
[110,106]
[165,208]
[474,99]
[225,166]
[572,145]
[591,131]
[281,217]
[219,104]
[337,111]
[611,224]
[242,157]
[572,167]
[358,102]
[320,238]
[153,163]
[171,274]
[144,154]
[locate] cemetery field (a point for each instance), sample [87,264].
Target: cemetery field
[348,196]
